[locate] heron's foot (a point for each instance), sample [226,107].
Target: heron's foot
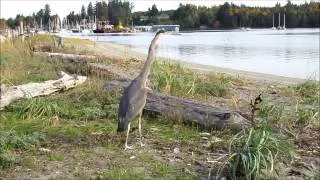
[127,147]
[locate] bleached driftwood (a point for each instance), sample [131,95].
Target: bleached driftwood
[174,107]
[30,90]
[69,57]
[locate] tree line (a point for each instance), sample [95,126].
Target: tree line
[115,11]
[188,16]
[230,15]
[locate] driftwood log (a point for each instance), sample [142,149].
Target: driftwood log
[30,90]
[69,57]
[97,69]
[174,107]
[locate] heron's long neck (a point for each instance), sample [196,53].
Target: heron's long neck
[151,55]
[147,65]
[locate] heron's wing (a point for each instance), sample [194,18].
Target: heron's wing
[137,101]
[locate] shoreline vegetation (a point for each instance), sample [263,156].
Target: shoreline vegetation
[72,134]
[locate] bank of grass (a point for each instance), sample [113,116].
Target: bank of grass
[86,116]
[175,79]
[293,117]
[78,41]
[18,66]
[309,91]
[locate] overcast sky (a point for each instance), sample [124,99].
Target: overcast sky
[10,8]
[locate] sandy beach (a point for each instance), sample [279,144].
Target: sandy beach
[127,52]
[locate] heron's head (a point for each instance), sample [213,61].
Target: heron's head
[160,32]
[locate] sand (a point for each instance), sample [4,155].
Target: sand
[122,51]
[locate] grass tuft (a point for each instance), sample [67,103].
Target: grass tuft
[257,151]
[309,91]
[12,140]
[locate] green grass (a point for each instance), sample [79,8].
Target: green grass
[307,116]
[276,113]
[271,112]
[309,91]
[18,66]
[54,157]
[256,152]
[175,79]
[11,140]
[85,118]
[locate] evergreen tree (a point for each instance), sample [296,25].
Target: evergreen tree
[83,12]
[90,10]
[46,16]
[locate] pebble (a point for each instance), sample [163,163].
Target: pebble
[44,150]
[204,134]
[132,157]
[176,150]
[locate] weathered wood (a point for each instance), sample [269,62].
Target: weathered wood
[188,110]
[72,57]
[101,70]
[69,57]
[30,90]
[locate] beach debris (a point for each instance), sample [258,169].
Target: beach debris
[204,134]
[132,157]
[176,150]
[45,150]
[31,90]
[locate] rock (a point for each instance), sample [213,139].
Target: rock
[204,134]
[44,150]
[132,157]
[176,150]
[215,139]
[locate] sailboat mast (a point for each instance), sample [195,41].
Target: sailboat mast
[273,20]
[284,20]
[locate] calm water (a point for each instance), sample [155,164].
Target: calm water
[290,53]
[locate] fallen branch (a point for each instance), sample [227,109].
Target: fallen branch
[174,107]
[69,57]
[30,90]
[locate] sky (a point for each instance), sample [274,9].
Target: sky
[10,8]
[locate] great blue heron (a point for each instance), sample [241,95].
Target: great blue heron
[134,97]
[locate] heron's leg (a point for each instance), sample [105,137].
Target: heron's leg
[126,145]
[140,129]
